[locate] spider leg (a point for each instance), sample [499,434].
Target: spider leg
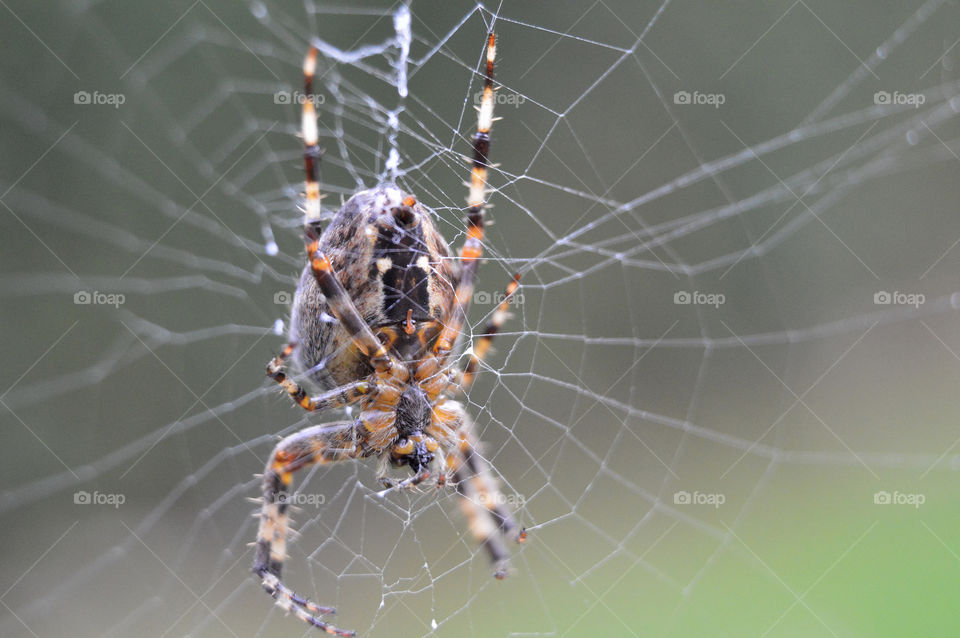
[338,397]
[413,481]
[308,129]
[317,444]
[346,312]
[482,346]
[489,517]
[472,248]
[340,304]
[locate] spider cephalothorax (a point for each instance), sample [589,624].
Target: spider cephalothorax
[379,308]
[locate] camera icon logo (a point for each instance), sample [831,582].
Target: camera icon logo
[81,498]
[282,97]
[882,98]
[82,297]
[682,297]
[681,498]
[882,498]
[282,298]
[82,97]
[482,298]
[681,97]
[882,298]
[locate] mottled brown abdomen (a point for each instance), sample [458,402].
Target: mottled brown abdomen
[358,243]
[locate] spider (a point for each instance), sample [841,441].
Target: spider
[398,302]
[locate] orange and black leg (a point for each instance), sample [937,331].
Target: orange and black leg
[318,444]
[482,346]
[487,512]
[336,398]
[340,304]
[473,246]
[346,312]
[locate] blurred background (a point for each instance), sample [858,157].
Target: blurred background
[725,403]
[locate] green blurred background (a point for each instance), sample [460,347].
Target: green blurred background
[795,402]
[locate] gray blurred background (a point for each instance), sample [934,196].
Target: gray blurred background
[725,404]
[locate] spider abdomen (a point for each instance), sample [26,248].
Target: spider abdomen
[395,267]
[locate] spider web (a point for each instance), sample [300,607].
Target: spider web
[736,228]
